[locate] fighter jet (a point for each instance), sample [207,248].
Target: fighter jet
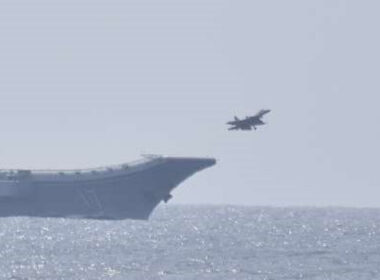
[248,122]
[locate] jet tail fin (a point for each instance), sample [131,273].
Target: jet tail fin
[236,118]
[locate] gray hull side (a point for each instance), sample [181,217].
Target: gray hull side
[130,196]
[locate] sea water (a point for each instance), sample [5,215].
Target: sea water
[197,242]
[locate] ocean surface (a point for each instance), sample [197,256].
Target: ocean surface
[197,242]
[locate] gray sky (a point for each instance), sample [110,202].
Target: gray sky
[86,83]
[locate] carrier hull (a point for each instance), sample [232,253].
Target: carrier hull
[122,192]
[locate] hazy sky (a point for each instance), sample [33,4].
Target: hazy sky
[86,83]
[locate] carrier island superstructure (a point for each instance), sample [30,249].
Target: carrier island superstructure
[127,191]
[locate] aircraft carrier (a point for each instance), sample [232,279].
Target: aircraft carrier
[127,191]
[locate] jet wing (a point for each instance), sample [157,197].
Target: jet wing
[244,126]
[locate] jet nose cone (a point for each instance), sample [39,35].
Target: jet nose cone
[206,162]
[195,161]
[210,162]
